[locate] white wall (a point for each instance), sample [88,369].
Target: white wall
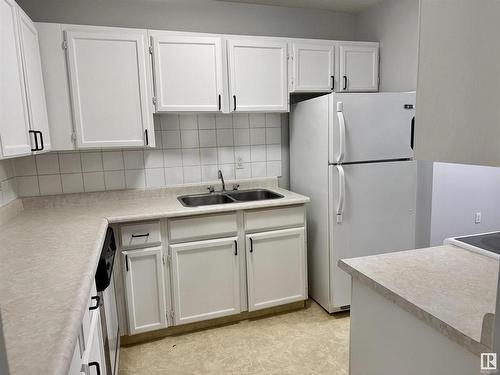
[7,182]
[395,24]
[459,191]
[196,15]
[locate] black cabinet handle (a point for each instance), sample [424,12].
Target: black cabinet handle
[97,367]
[235,247]
[220,102]
[333,82]
[251,244]
[41,140]
[35,138]
[345,82]
[97,301]
[126,262]
[140,235]
[234,101]
[146,136]
[412,136]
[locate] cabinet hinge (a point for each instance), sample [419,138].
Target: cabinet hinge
[172,315]
[163,259]
[151,49]
[65,44]
[154,100]
[73,137]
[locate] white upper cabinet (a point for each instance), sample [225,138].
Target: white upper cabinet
[110,76]
[313,67]
[358,66]
[188,72]
[258,75]
[14,118]
[35,92]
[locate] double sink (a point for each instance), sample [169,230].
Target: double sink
[235,196]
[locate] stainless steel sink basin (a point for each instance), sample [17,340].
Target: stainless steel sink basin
[237,196]
[253,195]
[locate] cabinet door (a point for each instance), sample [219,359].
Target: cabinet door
[313,67]
[188,73]
[145,290]
[276,268]
[109,87]
[14,119]
[258,75]
[358,67]
[93,357]
[205,279]
[35,91]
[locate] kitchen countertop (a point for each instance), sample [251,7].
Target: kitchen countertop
[49,250]
[449,288]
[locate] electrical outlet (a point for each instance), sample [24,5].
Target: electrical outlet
[477,218]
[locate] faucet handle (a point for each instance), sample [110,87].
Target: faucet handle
[236,186]
[211,188]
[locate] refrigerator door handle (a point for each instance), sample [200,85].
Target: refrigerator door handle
[341,120]
[341,195]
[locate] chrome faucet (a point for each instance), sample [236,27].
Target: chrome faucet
[221,177]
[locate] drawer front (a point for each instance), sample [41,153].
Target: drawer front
[140,234]
[274,218]
[200,227]
[90,311]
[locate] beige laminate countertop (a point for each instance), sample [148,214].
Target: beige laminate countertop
[49,253]
[448,287]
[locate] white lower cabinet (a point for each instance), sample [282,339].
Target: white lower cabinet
[145,289]
[93,357]
[276,268]
[206,279]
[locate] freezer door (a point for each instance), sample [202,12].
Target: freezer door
[370,126]
[376,206]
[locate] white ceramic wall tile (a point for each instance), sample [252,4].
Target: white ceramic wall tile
[190,156]
[225,155]
[209,173]
[274,168]
[188,121]
[208,138]
[153,158]
[158,139]
[208,156]
[241,137]
[93,181]
[157,122]
[169,122]
[72,183]
[172,157]
[133,159]
[189,139]
[258,136]
[257,153]
[240,120]
[114,180]
[91,161]
[171,139]
[273,120]
[223,121]
[227,171]
[8,191]
[50,184]
[6,169]
[244,171]
[27,186]
[112,160]
[206,121]
[257,120]
[25,166]
[273,152]
[174,176]
[135,179]
[70,162]
[225,137]
[273,136]
[259,170]
[192,174]
[242,154]
[155,177]
[47,163]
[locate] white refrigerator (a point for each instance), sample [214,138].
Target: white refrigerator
[352,155]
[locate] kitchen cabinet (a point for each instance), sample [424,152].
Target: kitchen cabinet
[206,279]
[358,66]
[457,110]
[188,73]
[15,124]
[145,289]
[93,357]
[313,67]
[276,268]
[110,86]
[258,75]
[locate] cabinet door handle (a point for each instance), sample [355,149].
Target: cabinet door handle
[97,367]
[235,247]
[97,301]
[234,101]
[333,82]
[41,140]
[220,102]
[126,262]
[345,82]
[251,244]
[412,136]
[146,136]
[35,138]
[140,235]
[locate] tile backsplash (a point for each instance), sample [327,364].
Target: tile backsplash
[190,148]
[7,182]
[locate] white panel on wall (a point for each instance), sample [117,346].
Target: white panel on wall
[7,182]
[191,148]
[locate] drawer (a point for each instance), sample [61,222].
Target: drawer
[140,234]
[273,218]
[90,311]
[199,227]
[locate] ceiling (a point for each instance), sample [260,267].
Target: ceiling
[333,5]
